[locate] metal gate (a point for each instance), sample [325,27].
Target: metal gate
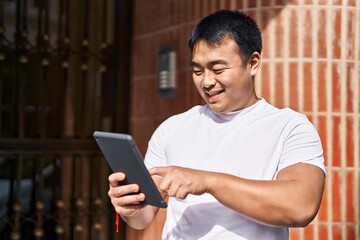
[63,74]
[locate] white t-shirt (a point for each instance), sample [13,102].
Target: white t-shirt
[254,143]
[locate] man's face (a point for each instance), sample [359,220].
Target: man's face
[221,77]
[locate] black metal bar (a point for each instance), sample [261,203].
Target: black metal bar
[59,229]
[92,184]
[60,19]
[62,101]
[2,58]
[21,78]
[18,83]
[16,204]
[40,18]
[40,177]
[67,18]
[55,194]
[65,51]
[86,20]
[80,101]
[33,180]
[12,181]
[46,25]
[84,108]
[18,16]
[1,14]
[103,69]
[39,204]
[21,63]
[43,123]
[122,51]
[73,199]
[104,21]
[25,16]
[84,81]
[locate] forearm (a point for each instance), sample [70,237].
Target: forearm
[281,202]
[259,200]
[142,218]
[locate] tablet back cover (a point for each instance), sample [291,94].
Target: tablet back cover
[122,155]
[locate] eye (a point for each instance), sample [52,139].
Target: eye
[219,71]
[197,72]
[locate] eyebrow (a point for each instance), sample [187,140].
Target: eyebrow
[209,64]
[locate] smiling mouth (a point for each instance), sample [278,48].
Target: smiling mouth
[214,93]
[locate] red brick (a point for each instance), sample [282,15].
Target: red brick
[143,101]
[251,13]
[350,210]
[279,33]
[350,39]
[323,211]
[337,2]
[237,4]
[294,234]
[142,65]
[293,83]
[323,231]
[337,234]
[281,3]
[322,130]
[336,94]
[266,34]
[322,35]
[308,96]
[184,88]
[252,4]
[322,88]
[323,2]
[308,2]
[265,84]
[336,44]
[205,8]
[293,33]
[351,231]
[279,85]
[309,232]
[197,9]
[336,196]
[358,206]
[351,89]
[307,39]
[336,144]
[350,136]
[310,117]
[264,3]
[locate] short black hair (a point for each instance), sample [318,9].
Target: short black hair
[229,24]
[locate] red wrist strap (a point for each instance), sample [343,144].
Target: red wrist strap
[117,222]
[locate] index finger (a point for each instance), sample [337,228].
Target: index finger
[159,171]
[115,178]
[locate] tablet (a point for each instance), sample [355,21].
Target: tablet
[122,155]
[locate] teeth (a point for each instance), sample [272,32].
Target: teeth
[214,93]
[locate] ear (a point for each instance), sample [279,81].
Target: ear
[254,63]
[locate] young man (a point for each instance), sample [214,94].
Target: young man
[236,168]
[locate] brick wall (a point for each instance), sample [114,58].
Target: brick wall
[311,63]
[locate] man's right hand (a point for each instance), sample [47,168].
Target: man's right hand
[126,199]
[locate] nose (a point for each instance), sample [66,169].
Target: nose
[209,80]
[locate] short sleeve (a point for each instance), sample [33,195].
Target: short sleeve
[302,144]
